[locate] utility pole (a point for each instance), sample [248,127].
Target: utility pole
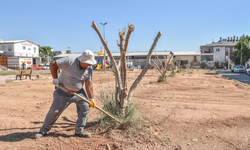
[104,47]
[242,38]
[48,56]
[229,59]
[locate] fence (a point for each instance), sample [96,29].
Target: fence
[3,60]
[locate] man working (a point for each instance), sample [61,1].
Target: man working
[75,71]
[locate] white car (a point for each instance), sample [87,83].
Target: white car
[238,69]
[248,71]
[46,67]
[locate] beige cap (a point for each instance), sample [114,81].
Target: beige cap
[87,57]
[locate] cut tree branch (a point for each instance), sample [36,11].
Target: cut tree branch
[157,66]
[130,30]
[145,69]
[160,63]
[169,60]
[109,53]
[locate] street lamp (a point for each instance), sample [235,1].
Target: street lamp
[104,47]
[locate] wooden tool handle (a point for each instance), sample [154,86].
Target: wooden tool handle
[85,100]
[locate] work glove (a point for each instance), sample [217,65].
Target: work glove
[92,102]
[56,81]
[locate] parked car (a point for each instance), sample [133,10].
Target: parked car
[35,67]
[248,71]
[232,69]
[238,69]
[46,67]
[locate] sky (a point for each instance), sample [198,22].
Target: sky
[185,24]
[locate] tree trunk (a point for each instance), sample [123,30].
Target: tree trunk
[121,96]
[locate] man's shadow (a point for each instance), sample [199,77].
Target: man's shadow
[19,136]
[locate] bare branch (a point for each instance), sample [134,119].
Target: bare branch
[165,70]
[123,54]
[108,51]
[169,60]
[157,66]
[160,63]
[145,69]
[130,30]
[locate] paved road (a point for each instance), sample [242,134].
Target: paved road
[242,77]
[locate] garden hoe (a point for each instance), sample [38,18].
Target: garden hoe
[85,100]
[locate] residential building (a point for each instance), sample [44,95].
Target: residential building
[20,53]
[218,51]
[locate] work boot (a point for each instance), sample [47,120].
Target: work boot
[83,134]
[40,135]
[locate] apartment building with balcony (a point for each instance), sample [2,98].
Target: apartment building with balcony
[218,51]
[20,53]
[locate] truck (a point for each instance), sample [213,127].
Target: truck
[35,67]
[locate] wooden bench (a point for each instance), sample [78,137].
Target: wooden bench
[24,73]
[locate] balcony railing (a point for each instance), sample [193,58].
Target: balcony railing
[207,51]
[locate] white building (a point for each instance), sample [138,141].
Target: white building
[20,52]
[139,58]
[218,51]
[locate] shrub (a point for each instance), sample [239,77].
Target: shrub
[8,81]
[172,74]
[130,120]
[217,64]
[131,69]
[204,64]
[162,78]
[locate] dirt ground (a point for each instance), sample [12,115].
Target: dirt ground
[194,110]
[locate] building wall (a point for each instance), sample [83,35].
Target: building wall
[188,58]
[8,49]
[26,49]
[220,55]
[20,52]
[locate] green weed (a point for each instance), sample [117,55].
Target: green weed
[162,78]
[8,81]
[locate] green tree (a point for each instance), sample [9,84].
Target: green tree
[245,51]
[45,51]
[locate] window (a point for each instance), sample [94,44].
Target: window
[217,50]
[207,57]
[29,48]
[4,47]
[34,48]
[195,58]
[24,47]
[9,48]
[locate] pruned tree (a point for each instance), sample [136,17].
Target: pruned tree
[163,68]
[122,95]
